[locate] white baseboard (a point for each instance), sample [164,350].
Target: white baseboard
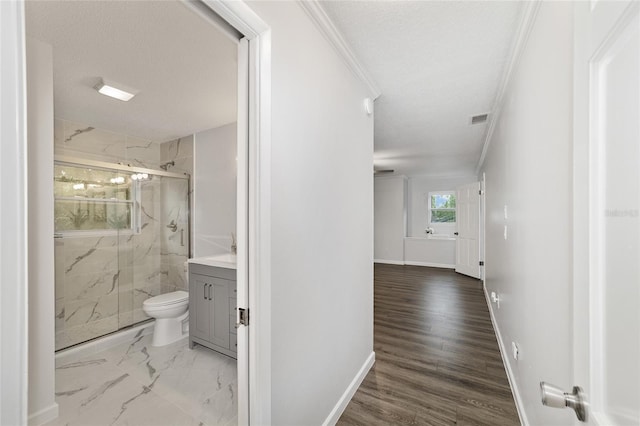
[339,408]
[429,264]
[505,354]
[43,416]
[389,262]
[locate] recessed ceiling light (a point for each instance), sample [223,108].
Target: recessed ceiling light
[108,88]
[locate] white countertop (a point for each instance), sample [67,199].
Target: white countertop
[227,260]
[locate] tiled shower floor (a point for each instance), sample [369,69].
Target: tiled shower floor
[137,384]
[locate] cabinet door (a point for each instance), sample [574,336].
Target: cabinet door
[219,312]
[201,306]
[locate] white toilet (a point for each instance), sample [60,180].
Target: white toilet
[172,317]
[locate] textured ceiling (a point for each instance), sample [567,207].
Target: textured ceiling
[437,64]
[184,68]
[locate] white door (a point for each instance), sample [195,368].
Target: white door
[468,235]
[606,210]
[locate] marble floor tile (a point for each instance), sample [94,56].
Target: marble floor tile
[138,384]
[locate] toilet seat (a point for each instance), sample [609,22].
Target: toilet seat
[167,299]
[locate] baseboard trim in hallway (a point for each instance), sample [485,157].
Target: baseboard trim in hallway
[504,353]
[339,408]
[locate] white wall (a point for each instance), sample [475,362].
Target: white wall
[436,253]
[42,405]
[322,220]
[418,201]
[214,190]
[528,168]
[401,210]
[390,218]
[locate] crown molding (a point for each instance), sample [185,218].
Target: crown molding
[524,30]
[318,15]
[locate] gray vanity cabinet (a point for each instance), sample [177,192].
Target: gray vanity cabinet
[212,296]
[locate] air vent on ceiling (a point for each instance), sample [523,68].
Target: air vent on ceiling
[479,119]
[383,172]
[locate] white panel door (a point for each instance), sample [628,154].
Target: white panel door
[606,210]
[468,223]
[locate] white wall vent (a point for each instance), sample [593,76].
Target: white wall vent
[479,119]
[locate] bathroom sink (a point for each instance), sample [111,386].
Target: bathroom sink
[226,260]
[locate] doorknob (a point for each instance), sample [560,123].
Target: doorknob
[553,396]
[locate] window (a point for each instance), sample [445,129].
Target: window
[93,200]
[442,207]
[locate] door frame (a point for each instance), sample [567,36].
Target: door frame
[586,210]
[13,232]
[254,347]
[254,210]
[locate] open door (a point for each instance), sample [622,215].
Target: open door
[606,185]
[468,235]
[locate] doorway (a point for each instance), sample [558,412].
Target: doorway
[252,127]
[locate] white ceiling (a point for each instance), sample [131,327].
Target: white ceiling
[437,64]
[184,68]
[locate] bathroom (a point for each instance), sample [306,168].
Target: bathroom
[139,188]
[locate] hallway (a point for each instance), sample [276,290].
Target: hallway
[437,358]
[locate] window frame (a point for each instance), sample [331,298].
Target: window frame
[430,208]
[133,201]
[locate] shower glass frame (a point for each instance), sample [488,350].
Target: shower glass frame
[116,237]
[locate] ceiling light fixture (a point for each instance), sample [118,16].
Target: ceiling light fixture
[108,88]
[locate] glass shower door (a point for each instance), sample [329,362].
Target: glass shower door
[153,257]
[122,236]
[92,207]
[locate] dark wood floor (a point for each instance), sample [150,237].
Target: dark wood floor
[437,358]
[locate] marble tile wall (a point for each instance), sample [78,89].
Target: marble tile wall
[175,207]
[102,280]
[84,141]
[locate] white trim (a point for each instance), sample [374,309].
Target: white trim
[13,216]
[240,16]
[256,339]
[342,403]
[526,24]
[316,12]
[242,215]
[389,262]
[443,176]
[412,263]
[43,416]
[505,354]
[430,264]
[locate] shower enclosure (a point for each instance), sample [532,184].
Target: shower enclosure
[122,236]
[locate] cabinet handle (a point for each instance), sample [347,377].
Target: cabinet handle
[204,291]
[210,285]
